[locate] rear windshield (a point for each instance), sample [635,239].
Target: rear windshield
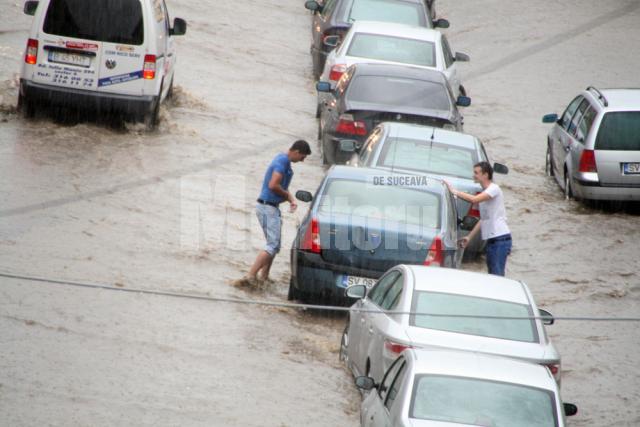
[113,21]
[401,12]
[472,401]
[395,49]
[440,303]
[382,202]
[423,156]
[399,91]
[619,131]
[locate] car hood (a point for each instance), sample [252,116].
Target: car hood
[367,106]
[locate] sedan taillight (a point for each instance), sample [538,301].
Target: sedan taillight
[349,126]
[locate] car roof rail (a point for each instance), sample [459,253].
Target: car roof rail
[601,97]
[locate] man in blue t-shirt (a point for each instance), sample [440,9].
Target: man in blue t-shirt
[274,191]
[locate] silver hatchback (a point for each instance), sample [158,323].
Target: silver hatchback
[593,149]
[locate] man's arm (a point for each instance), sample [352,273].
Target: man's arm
[481,197]
[274,185]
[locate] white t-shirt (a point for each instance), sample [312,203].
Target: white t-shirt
[493,216]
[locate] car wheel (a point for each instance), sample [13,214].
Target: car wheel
[344,345]
[170,91]
[26,107]
[549,163]
[568,192]
[151,117]
[293,292]
[328,152]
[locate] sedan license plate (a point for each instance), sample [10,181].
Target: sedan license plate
[70,58]
[631,168]
[355,280]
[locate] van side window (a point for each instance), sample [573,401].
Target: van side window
[577,116]
[585,124]
[568,113]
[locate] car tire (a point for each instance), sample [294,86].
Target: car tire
[343,355]
[170,91]
[293,293]
[151,118]
[548,167]
[568,192]
[26,106]
[328,152]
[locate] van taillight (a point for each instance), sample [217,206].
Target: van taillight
[587,162]
[350,126]
[31,56]
[149,69]
[435,255]
[337,71]
[311,240]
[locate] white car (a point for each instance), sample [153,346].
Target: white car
[390,43]
[449,388]
[375,335]
[106,55]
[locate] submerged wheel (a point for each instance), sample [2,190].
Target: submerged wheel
[151,117]
[344,345]
[26,106]
[568,192]
[549,163]
[293,292]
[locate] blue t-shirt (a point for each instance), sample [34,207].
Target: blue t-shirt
[281,164]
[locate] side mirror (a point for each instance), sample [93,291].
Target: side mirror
[463,101]
[365,383]
[312,6]
[30,7]
[569,409]
[550,118]
[547,318]
[462,57]
[304,196]
[441,23]
[179,27]
[348,145]
[468,222]
[331,41]
[356,291]
[500,168]
[323,87]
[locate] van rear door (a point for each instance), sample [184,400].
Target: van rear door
[93,45]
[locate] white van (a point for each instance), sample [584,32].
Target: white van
[107,55]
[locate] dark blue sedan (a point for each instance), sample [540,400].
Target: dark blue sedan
[364,221]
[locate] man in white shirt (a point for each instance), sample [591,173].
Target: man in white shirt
[493,218]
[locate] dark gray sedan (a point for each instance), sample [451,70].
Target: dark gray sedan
[369,94]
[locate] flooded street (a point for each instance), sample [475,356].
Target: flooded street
[173,210]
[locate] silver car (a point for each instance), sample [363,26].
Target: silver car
[391,43]
[375,336]
[593,149]
[451,388]
[441,153]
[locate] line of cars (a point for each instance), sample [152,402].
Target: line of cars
[428,345]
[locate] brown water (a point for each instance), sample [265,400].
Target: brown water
[172,210]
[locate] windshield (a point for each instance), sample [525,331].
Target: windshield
[401,12]
[619,131]
[424,156]
[400,92]
[441,303]
[113,21]
[478,402]
[395,49]
[381,202]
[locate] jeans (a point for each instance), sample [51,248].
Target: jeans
[498,249]
[271,223]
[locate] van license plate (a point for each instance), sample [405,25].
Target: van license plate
[355,280]
[70,58]
[631,168]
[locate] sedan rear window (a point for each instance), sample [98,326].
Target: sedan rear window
[399,92]
[112,21]
[381,202]
[394,49]
[472,401]
[423,156]
[401,12]
[441,303]
[619,131]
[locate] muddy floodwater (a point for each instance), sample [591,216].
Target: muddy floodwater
[96,200]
